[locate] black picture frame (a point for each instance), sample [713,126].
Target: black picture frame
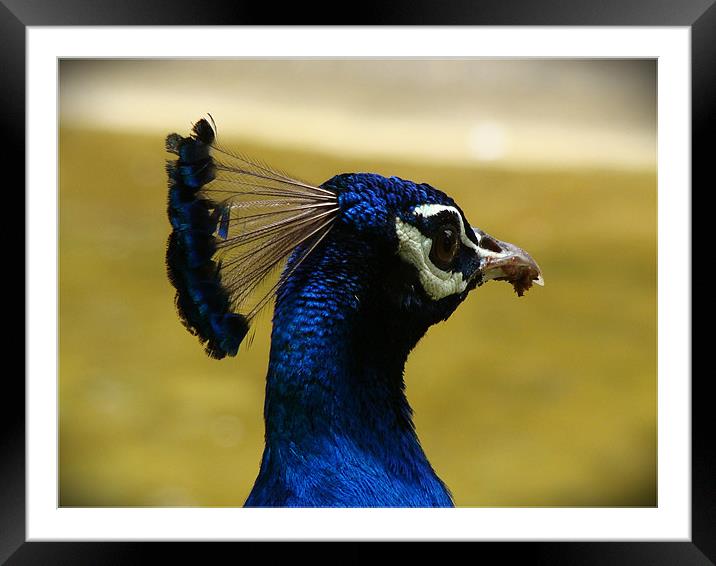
[16,15]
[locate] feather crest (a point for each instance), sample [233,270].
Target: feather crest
[235,223]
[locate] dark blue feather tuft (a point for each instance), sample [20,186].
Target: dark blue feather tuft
[203,304]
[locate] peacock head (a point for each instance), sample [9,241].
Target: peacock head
[235,221]
[433,257]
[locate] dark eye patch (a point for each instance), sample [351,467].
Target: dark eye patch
[429,225]
[464,259]
[443,229]
[446,243]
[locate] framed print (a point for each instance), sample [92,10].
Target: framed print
[590,445]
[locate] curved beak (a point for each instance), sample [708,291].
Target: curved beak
[503,261]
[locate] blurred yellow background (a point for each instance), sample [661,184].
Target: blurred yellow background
[545,400]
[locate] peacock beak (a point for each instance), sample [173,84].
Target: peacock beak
[503,261]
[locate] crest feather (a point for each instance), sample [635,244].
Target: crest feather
[235,223]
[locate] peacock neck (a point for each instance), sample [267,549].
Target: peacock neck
[335,401]
[331,371]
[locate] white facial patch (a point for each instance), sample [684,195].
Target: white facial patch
[414,247]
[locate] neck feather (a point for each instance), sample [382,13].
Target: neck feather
[335,401]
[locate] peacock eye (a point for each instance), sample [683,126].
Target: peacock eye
[445,245]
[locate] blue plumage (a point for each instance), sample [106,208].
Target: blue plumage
[369,264]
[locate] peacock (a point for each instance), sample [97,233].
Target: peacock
[358,268]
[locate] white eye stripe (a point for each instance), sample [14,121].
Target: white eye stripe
[427,210]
